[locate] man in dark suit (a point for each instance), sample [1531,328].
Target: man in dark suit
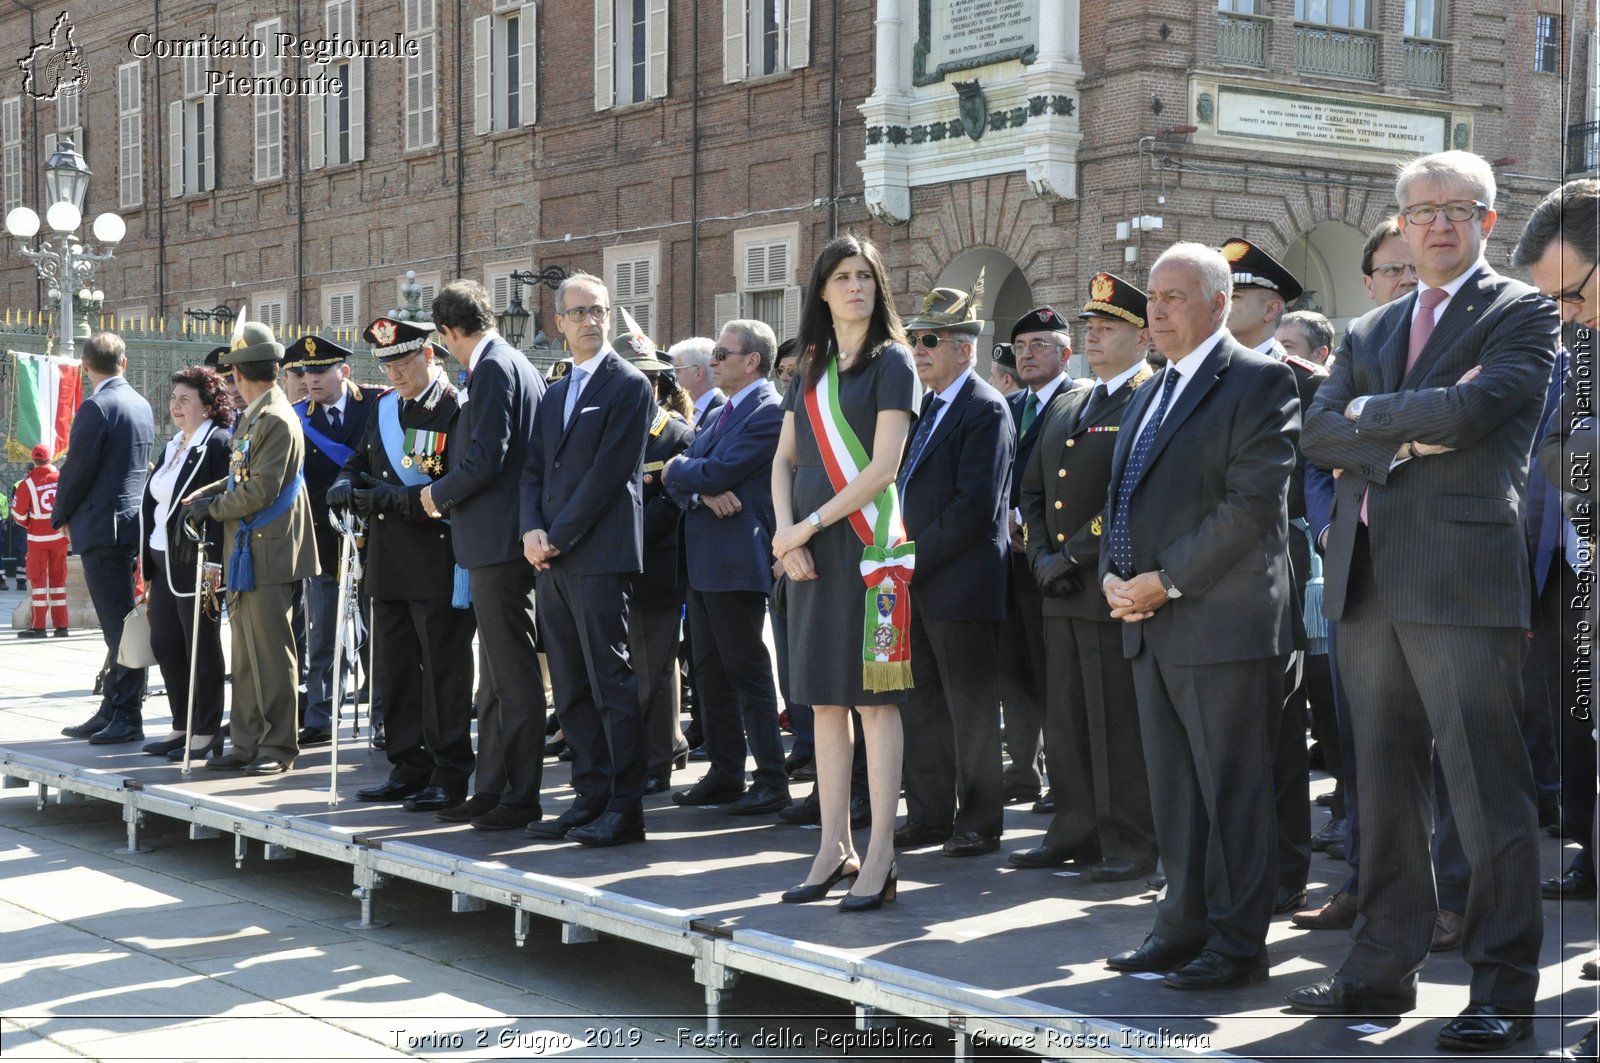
[1193,562]
[954,488]
[1430,415]
[333,416]
[480,494]
[97,502]
[423,679]
[1091,726]
[1041,345]
[724,484]
[582,521]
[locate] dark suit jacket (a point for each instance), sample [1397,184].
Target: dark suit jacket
[733,553]
[661,583]
[714,407]
[955,503]
[486,455]
[1026,440]
[321,469]
[1064,490]
[108,456]
[206,462]
[582,484]
[1445,534]
[1212,509]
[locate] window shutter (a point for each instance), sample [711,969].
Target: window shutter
[499,292]
[317,108]
[726,309]
[799,35]
[482,77]
[358,109]
[528,28]
[208,107]
[735,20]
[655,63]
[175,147]
[605,47]
[791,313]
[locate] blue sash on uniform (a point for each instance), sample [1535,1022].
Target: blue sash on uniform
[241,563]
[337,453]
[393,437]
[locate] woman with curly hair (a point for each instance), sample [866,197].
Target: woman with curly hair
[197,455]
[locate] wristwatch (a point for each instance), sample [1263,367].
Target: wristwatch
[815,520]
[1166,581]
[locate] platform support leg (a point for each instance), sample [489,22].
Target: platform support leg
[241,846]
[134,819]
[576,934]
[963,1047]
[719,980]
[368,882]
[868,1017]
[520,921]
[12,782]
[41,798]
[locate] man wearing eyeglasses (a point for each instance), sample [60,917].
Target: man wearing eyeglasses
[1042,345]
[691,358]
[1429,417]
[479,492]
[1386,267]
[582,522]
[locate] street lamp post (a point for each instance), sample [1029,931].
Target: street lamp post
[514,318]
[63,261]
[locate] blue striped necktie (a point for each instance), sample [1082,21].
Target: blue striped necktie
[1121,542]
[919,442]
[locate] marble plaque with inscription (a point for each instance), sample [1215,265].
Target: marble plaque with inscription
[1331,122]
[962,34]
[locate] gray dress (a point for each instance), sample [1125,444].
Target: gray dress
[826,615]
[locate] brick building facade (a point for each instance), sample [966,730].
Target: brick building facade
[696,155]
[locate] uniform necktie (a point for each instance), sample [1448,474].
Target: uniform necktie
[1121,542]
[1428,301]
[1096,397]
[1030,410]
[919,442]
[334,419]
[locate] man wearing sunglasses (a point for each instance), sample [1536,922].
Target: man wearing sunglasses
[1429,417]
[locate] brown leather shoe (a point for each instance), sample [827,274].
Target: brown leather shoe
[1339,913]
[1446,931]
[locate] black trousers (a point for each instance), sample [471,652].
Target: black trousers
[511,734]
[172,639]
[584,620]
[425,676]
[738,699]
[1207,733]
[1093,744]
[108,571]
[952,771]
[1416,689]
[653,649]
[1022,677]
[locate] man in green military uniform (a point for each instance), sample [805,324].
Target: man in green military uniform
[266,517]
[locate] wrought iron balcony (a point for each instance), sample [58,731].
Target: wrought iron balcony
[1338,53]
[1242,39]
[1425,63]
[1583,148]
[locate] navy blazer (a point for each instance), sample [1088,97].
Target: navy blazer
[583,483]
[1026,440]
[1211,509]
[955,502]
[733,553]
[102,481]
[486,453]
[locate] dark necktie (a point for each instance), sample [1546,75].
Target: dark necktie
[1121,542]
[1096,397]
[722,418]
[919,442]
[334,419]
[1030,410]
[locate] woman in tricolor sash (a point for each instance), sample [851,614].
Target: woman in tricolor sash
[844,554]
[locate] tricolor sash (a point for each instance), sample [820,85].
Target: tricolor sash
[888,557]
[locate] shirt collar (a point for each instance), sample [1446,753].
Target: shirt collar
[1454,286]
[1189,365]
[477,352]
[738,396]
[948,395]
[1049,390]
[703,401]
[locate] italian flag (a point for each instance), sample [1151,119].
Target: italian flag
[49,391]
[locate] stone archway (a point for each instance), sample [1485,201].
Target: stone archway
[1007,294]
[1327,259]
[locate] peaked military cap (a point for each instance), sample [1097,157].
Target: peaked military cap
[1111,296]
[392,339]
[314,352]
[1254,268]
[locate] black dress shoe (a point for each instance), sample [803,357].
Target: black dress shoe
[1153,955]
[1573,884]
[470,809]
[1332,996]
[507,817]
[390,791]
[1590,970]
[794,762]
[806,812]
[1118,870]
[1213,970]
[916,835]
[969,843]
[1050,856]
[316,736]
[267,766]
[758,800]
[380,737]
[611,828]
[1486,1028]
[1016,794]
[1045,806]
[657,784]
[698,752]
[231,762]
[1289,899]
[33,633]
[708,791]
[556,829]
[114,734]
[431,799]
[88,727]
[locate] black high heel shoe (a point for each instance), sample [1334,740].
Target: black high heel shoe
[213,747]
[804,893]
[680,760]
[855,902]
[164,746]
